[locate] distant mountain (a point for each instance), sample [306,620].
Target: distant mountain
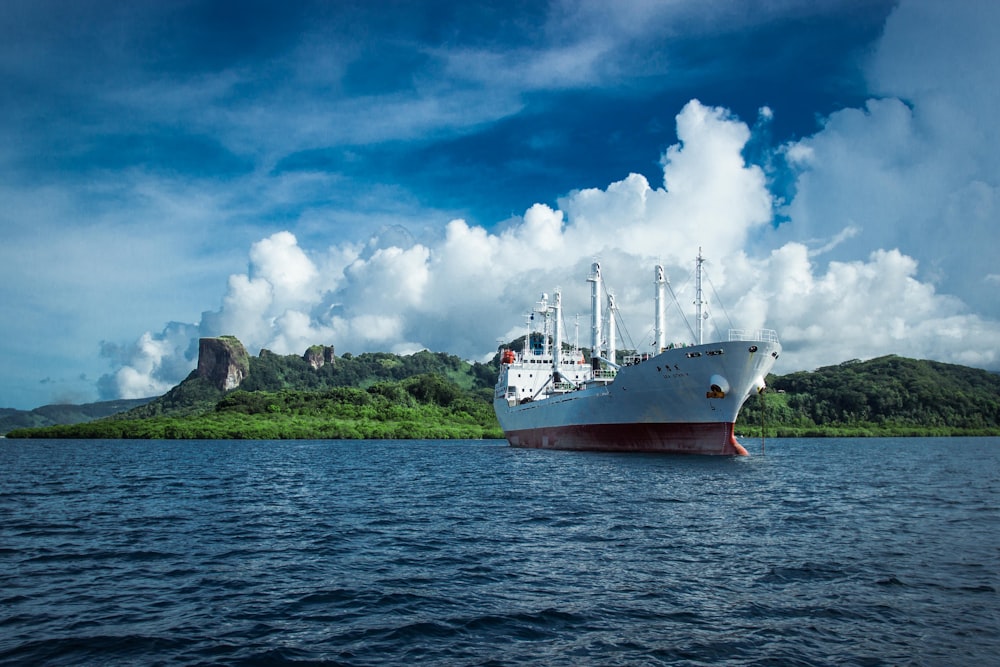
[50,415]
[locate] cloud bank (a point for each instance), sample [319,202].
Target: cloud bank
[466,289]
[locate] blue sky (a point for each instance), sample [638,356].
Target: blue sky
[407,175]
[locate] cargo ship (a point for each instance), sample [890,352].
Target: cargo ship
[682,398]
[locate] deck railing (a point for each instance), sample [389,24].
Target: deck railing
[760,335]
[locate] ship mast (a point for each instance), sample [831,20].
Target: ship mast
[698,302]
[595,309]
[612,325]
[526,347]
[542,310]
[661,330]
[557,336]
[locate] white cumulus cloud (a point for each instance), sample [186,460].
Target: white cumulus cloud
[917,168]
[459,293]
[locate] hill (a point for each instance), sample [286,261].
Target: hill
[888,395]
[315,395]
[269,372]
[50,415]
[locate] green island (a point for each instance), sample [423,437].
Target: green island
[426,395]
[885,396]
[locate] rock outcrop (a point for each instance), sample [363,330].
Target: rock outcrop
[319,355]
[223,361]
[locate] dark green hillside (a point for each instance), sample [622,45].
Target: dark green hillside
[884,396]
[425,407]
[371,395]
[271,372]
[48,415]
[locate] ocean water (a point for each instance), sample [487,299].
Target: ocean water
[819,552]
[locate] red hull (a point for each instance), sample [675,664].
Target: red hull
[714,438]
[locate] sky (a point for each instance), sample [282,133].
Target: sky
[397,176]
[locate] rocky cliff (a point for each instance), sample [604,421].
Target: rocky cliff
[319,355]
[223,361]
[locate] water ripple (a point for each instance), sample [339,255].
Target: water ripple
[472,553]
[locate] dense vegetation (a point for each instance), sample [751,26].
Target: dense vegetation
[435,395]
[885,396]
[424,406]
[371,395]
[59,413]
[270,372]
